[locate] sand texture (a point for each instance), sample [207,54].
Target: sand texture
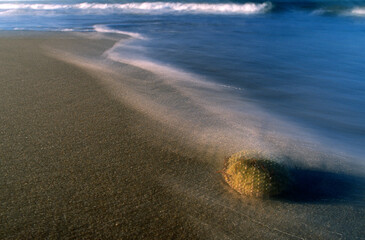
[76,163]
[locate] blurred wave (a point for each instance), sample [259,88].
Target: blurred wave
[148,7]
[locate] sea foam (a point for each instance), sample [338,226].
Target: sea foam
[106,29]
[358,11]
[149,7]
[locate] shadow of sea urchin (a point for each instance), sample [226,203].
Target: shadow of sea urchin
[252,174]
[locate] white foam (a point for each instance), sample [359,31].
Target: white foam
[11,6]
[231,87]
[151,7]
[106,29]
[358,11]
[67,30]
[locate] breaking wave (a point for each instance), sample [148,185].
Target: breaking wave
[345,11]
[148,7]
[358,11]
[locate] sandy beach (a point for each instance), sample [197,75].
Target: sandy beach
[78,162]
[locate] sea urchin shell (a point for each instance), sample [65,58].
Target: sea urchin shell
[251,174]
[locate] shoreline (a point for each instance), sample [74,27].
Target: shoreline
[77,162]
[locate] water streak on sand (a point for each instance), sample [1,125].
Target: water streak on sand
[201,111]
[106,29]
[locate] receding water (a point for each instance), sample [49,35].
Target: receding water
[303,62]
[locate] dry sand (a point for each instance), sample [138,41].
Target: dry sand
[75,163]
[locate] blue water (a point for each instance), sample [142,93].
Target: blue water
[301,60]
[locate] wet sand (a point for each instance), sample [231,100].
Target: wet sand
[77,163]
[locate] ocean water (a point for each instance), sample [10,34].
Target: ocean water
[283,77]
[302,62]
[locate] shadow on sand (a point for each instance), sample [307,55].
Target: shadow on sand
[317,186]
